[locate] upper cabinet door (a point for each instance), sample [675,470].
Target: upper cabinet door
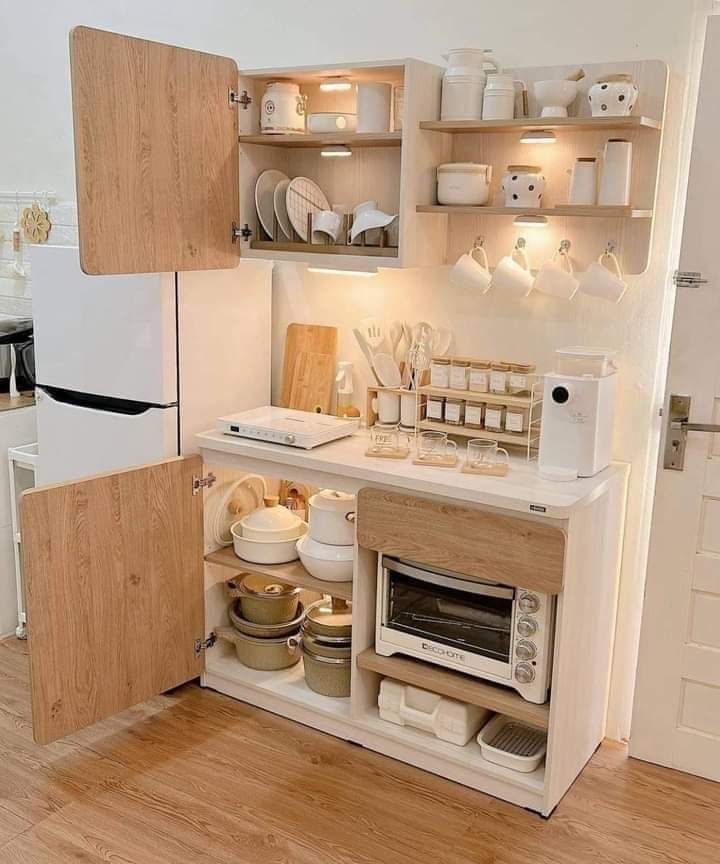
[156,155]
[114,581]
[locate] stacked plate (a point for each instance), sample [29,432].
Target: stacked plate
[277,197]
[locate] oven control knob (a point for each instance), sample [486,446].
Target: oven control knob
[524,673]
[289,438]
[529,603]
[525,650]
[527,627]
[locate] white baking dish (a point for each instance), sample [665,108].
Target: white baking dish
[512,744]
[264,551]
[463,183]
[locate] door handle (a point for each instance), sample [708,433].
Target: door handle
[678,426]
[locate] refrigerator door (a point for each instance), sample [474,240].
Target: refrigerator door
[107,335]
[79,441]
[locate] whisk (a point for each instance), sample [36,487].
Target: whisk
[418,358]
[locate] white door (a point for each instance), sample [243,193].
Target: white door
[676,719]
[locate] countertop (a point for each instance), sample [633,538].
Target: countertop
[8,403]
[522,489]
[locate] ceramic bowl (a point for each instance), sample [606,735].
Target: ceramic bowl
[326,562]
[553,97]
[264,551]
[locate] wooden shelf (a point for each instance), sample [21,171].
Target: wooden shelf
[329,249]
[456,685]
[351,139]
[582,210]
[293,573]
[472,396]
[528,124]
[520,439]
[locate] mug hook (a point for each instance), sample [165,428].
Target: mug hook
[610,247]
[564,247]
[520,243]
[479,242]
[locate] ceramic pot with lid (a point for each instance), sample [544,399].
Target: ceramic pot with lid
[264,600]
[272,522]
[267,655]
[613,96]
[329,618]
[264,631]
[332,517]
[463,183]
[282,110]
[523,186]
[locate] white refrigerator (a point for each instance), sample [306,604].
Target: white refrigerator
[129,368]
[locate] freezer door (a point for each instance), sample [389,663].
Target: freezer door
[78,441]
[108,335]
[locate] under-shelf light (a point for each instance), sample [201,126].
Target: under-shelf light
[335,84]
[336,150]
[333,272]
[538,136]
[527,220]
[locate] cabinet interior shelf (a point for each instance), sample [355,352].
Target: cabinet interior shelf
[520,439]
[324,249]
[583,210]
[293,573]
[456,685]
[309,140]
[473,396]
[528,124]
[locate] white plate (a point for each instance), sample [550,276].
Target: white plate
[281,208]
[304,196]
[264,197]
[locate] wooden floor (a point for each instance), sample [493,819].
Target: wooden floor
[197,777]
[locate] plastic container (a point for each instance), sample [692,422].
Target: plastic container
[446,719]
[512,744]
[579,361]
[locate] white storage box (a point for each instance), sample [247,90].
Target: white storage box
[446,719]
[512,744]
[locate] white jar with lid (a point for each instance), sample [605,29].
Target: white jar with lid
[282,110]
[466,183]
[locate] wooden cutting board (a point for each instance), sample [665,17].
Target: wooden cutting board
[308,367]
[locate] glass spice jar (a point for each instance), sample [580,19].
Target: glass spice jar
[479,376]
[474,414]
[498,377]
[459,374]
[435,408]
[495,417]
[440,372]
[517,418]
[455,411]
[518,379]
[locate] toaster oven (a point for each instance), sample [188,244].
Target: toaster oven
[498,632]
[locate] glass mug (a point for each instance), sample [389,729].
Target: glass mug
[483,454]
[384,440]
[435,447]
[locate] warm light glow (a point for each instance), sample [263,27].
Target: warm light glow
[334,85]
[539,136]
[332,272]
[336,150]
[529,221]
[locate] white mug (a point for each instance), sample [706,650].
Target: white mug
[556,278]
[513,276]
[387,406]
[599,281]
[409,404]
[472,271]
[327,222]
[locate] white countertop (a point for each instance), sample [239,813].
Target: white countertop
[522,489]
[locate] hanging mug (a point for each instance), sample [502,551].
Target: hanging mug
[472,270]
[599,280]
[556,276]
[512,273]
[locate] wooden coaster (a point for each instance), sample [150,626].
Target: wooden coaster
[445,462]
[387,454]
[499,470]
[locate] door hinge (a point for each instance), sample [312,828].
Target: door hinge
[243,99]
[688,278]
[200,483]
[245,232]
[201,645]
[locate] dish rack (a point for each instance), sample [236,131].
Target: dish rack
[512,744]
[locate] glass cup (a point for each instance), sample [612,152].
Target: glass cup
[384,440]
[435,446]
[485,455]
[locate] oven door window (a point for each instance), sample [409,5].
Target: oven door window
[462,619]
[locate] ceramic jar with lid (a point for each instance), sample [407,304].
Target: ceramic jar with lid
[272,522]
[264,600]
[613,96]
[463,84]
[466,183]
[523,186]
[499,97]
[332,518]
[282,110]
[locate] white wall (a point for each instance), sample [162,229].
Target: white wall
[36,153]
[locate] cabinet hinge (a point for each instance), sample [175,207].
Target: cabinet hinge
[688,278]
[243,99]
[245,232]
[201,645]
[200,483]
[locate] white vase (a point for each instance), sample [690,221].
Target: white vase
[616,173]
[613,96]
[523,186]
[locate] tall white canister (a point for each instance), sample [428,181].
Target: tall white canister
[374,99]
[616,173]
[583,181]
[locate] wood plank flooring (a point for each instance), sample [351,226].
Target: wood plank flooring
[197,777]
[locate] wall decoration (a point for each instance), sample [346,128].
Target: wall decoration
[36,224]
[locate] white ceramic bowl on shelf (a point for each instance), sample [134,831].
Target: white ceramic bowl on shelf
[326,562]
[554,97]
[264,551]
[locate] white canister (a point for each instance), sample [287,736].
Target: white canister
[462,97]
[374,99]
[499,97]
[332,518]
[583,182]
[613,96]
[462,60]
[614,189]
[463,183]
[282,110]
[523,186]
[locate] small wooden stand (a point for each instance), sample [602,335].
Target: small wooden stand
[388,454]
[445,462]
[499,470]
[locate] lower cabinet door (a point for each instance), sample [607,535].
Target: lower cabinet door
[114,581]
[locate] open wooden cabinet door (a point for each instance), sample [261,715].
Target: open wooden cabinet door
[114,581]
[156,155]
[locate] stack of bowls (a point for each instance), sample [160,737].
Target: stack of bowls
[325,642]
[268,535]
[264,615]
[327,550]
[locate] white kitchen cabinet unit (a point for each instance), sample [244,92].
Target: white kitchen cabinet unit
[166,168]
[122,604]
